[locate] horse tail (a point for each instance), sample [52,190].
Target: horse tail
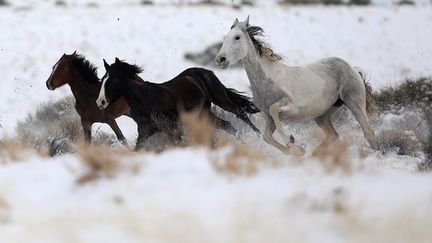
[241,100]
[221,94]
[371,107]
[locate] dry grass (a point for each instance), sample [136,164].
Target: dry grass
[102,161]
[11,151]
[334,156]
[197,129]
[240,160]
[4,208]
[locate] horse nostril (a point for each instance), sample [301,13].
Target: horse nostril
[222,59]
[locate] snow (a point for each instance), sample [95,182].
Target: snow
[178,195]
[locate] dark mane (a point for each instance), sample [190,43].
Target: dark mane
[88,70]
[260,46]
[126,69]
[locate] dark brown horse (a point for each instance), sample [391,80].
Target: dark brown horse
[193,89]
[82,78]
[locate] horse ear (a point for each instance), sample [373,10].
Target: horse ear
[236,22]
[106,65]
[117,60]
[247,21]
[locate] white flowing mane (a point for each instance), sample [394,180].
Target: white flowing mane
[260,46]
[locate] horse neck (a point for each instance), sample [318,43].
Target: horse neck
[135,86]
[257,68]
[84,91]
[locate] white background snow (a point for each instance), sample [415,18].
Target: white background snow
[177,196]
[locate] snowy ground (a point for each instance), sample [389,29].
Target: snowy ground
[178,196]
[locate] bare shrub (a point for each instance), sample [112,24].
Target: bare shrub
[413,95]
[54,128]
[332,2]
[146,2]
[427,146]
[299,2]
[51,122]
[410,93]
[359,2]
[405,2]
[402,142]
[60,3]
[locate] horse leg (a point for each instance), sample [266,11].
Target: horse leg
[144,132]
[357,105]
[324,122]
[284,106]
[222,124]
[268,136]
[113,124]
[86,124]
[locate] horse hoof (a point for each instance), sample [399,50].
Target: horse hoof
[296,150]
[292,140]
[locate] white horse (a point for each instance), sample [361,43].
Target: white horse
[295,93]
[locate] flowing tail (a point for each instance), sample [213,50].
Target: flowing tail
[228,99]
[371,107]
[242,101]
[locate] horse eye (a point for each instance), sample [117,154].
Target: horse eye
[237,38]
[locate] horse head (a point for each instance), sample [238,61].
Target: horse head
[115,81]
[61,72]
[235,44]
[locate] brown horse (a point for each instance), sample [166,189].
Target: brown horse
[82,77]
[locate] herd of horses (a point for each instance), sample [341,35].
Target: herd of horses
[280,92]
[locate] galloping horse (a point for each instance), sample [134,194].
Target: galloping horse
[82,77]
[314,91]
[193,89]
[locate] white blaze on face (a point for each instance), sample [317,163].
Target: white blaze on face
[102,101]
[53,71]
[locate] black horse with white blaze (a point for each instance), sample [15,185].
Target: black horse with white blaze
[195,89]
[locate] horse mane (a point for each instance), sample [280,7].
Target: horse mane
[260,46]
[87,70]
[127,69]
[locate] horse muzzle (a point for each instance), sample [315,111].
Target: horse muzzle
[222,62]
[101,103]
[48,85]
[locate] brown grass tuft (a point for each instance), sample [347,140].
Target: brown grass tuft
[197,129]
[333,156]
[10,151]
[241,160]
[4,207]
[102,161]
